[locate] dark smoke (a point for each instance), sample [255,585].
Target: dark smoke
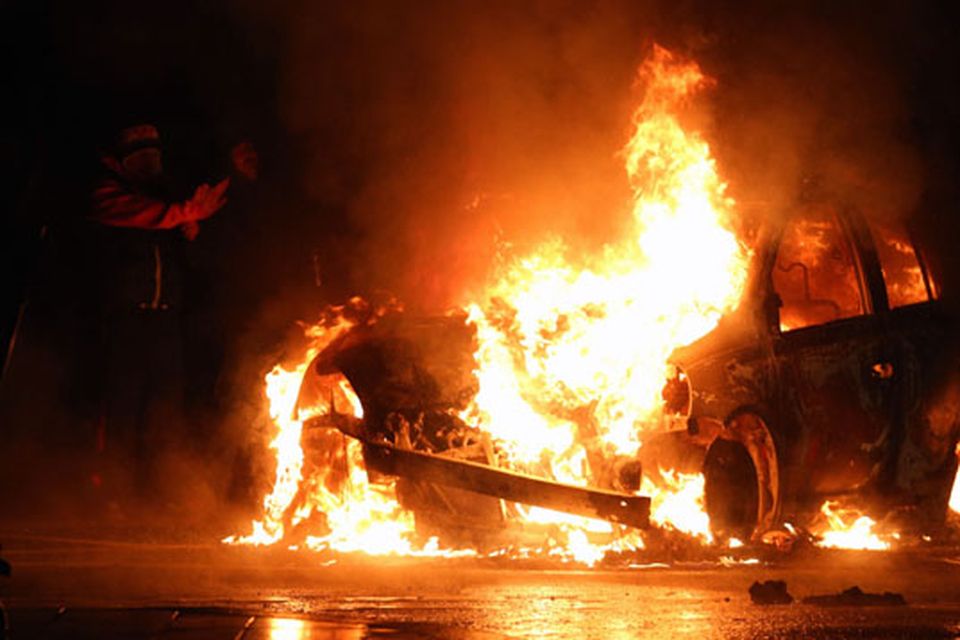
[818,99]
[441,129]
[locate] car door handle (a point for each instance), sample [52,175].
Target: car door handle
[882,371]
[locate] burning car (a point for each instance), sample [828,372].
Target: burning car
[836,377]
[702,373]
[832,378]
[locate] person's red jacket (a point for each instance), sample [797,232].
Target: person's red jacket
[117,204]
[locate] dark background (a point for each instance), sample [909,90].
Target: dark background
[404,145]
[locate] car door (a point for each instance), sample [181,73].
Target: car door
[833,357]
[927,371]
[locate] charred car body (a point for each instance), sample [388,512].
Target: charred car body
[836,376]
[412,376]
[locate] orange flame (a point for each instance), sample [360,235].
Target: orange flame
[571,360]
[677,503]
[282,390]
[557,341]
[359,515]
[955,492]
[366,517]
[848,529]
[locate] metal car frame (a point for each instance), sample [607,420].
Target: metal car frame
[865,406]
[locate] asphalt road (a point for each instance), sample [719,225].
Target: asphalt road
[71,586]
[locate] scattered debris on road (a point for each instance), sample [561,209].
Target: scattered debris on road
[855,597]
[770,592]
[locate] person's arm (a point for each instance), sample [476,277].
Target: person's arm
[118,206]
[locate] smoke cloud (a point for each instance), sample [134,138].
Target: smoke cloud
[817,102]
[438,131]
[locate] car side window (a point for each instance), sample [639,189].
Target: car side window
[902,274]
[815,275]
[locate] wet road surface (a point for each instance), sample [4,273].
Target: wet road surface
[71,587]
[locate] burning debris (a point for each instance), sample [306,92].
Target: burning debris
[856,597]
[770,592]
[848,529]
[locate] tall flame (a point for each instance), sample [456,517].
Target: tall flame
[572,358]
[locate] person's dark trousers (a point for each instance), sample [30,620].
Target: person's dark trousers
[143,397]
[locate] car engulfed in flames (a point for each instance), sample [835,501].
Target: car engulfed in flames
[835,380]
[712,378]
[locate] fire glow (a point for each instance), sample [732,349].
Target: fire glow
[848,529]
[955,492]
[557,340]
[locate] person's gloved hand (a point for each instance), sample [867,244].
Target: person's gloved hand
[207,200]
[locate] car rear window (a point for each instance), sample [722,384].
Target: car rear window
[902,273]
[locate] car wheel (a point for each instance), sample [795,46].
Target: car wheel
[742,486]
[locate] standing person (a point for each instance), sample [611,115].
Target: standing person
[139,230]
